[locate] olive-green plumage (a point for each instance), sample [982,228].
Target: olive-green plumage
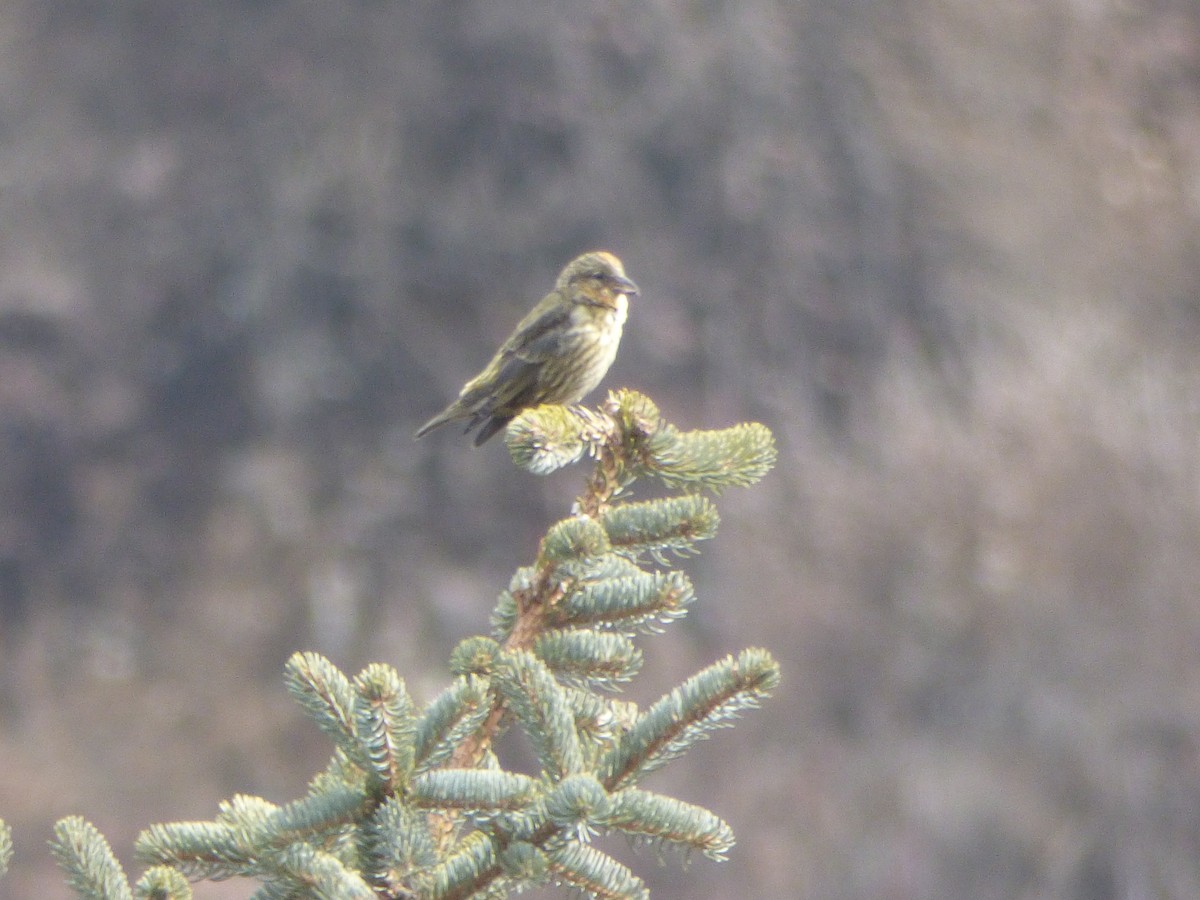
[557,354]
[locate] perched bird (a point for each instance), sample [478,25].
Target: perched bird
[557,354]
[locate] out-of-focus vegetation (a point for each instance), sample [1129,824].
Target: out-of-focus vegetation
[950,254]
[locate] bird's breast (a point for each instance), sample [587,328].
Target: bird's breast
[610,322]
[622,309]
[609,318]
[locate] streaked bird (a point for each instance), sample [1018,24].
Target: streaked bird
[558,353]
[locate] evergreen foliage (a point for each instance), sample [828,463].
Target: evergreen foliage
[6,847]
[414,803]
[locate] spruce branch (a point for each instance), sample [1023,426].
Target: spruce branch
[314,816]
[587,869]
[634,604]
[732,457]
[666,820]
[197,849]
[249,833]
[629,438]
[546,438]
[162,883]
[575,804]
[479,790]
[92,869]
[708,700]
[385,721]
[449,718]
[328,698]
[535,697]
[673,525]
[415,803]
[469,868]
[524,862]
[395,844]
[587,658]
[6,847]
[315,873]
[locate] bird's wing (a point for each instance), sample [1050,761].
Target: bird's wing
[540,334]
[515,377]
[513,371]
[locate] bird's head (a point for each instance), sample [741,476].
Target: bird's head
[596,278]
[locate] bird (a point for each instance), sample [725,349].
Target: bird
[558,353]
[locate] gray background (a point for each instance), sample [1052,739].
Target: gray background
[947,251]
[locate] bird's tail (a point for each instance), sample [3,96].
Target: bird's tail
[490,427]
[449,414]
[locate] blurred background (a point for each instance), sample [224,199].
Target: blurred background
[948,251]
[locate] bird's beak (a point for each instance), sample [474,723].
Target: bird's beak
[626,286]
